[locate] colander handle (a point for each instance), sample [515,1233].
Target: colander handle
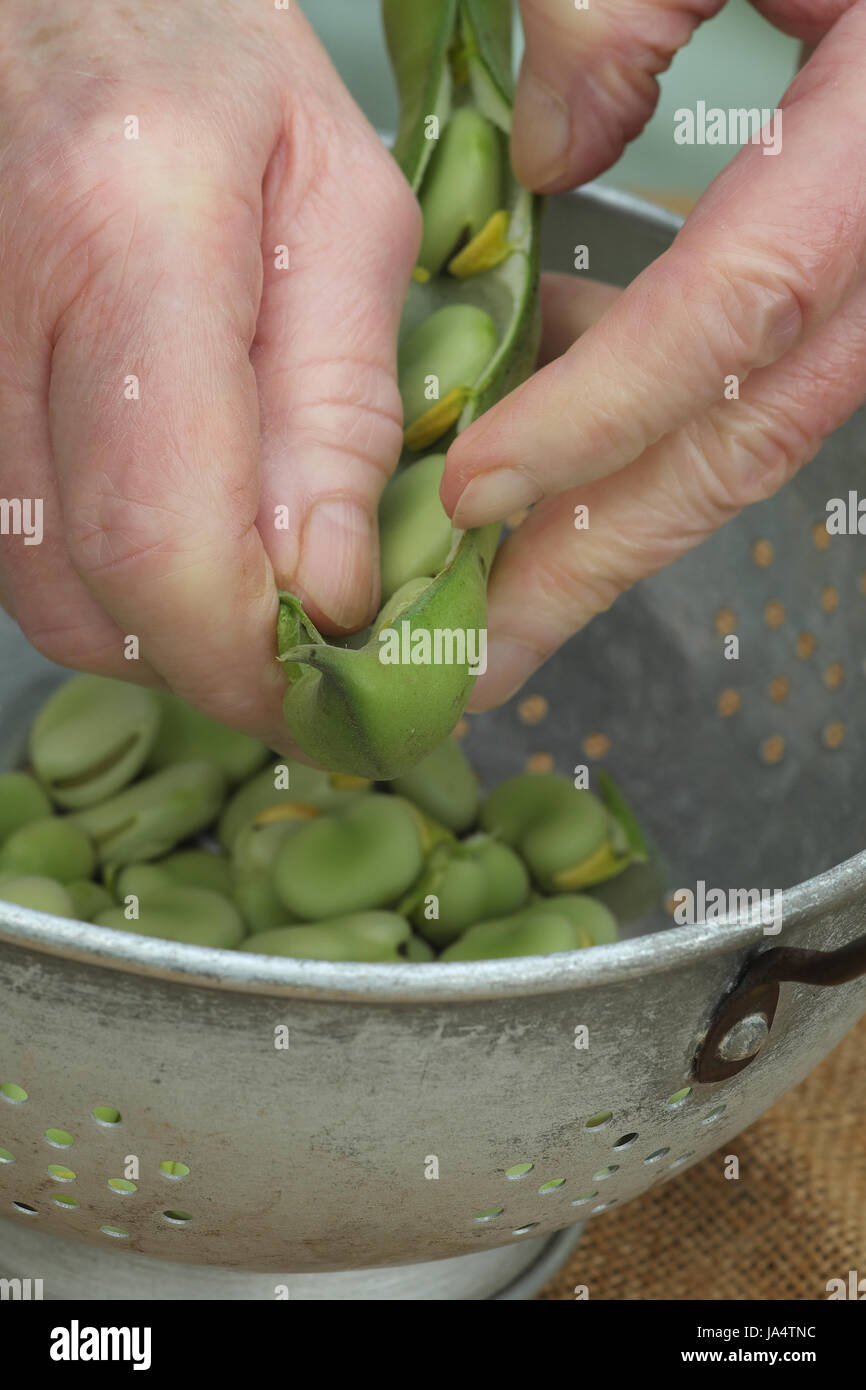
[743,1019]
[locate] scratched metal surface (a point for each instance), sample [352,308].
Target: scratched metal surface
[313,1159]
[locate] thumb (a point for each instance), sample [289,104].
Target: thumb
[588,85]
[325,355]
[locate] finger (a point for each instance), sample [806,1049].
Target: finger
[770,252]
[154,428]
[38,585]
[569,306]
[325,353]
[549,579]
[809,20]
[588,84]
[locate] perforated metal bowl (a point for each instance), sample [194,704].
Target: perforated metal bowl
[428,1129]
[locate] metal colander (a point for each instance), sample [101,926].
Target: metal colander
[439,1132]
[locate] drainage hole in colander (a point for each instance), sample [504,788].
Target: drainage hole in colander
[519,1170]
[654,1157]
[605,1172]
[6,1156]
[683,1158]
[603,1206]
[177,1218]
[489,1215]
[117,1231]
[172,1169]
[551,1186]
[521,1230]
[122,1185]
[599,1121]
[715,1114]
[679,1097]
[59,1138]
[581,1201]
[69,1203]
[23,1207]
[106,1115]
[626,1141]
[60,1173]
[11,1091]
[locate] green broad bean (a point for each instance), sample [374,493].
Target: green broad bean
[91,738]
[309,790]
[593,920]
[444,786]
[22,800]
[451,348]
[254,855]
[196,916]
[50,848]
[463,187]
[377,937]
[88,899]
[419,950]
[198,868]
[184,736]
[565,834]
[538,930]
[37,893]
[415,532]
[466,883]
[148,819]
[364,857]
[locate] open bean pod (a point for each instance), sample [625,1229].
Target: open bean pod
[379,703]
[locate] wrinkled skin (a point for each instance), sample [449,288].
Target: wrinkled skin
[628,416]
[259,387]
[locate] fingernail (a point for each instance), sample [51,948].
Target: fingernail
[509,664]
[494,495]
[541,140]
[336,562]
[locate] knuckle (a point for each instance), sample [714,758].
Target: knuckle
[750,457]
[757,307]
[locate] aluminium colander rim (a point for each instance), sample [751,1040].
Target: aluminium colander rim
[417,983]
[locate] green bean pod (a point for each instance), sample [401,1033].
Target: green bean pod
[377,704]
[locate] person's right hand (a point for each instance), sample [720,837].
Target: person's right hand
[258,387]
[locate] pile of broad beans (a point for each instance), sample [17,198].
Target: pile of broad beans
[139,814]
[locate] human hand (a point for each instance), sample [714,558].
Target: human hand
[168,378]
[764,283]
